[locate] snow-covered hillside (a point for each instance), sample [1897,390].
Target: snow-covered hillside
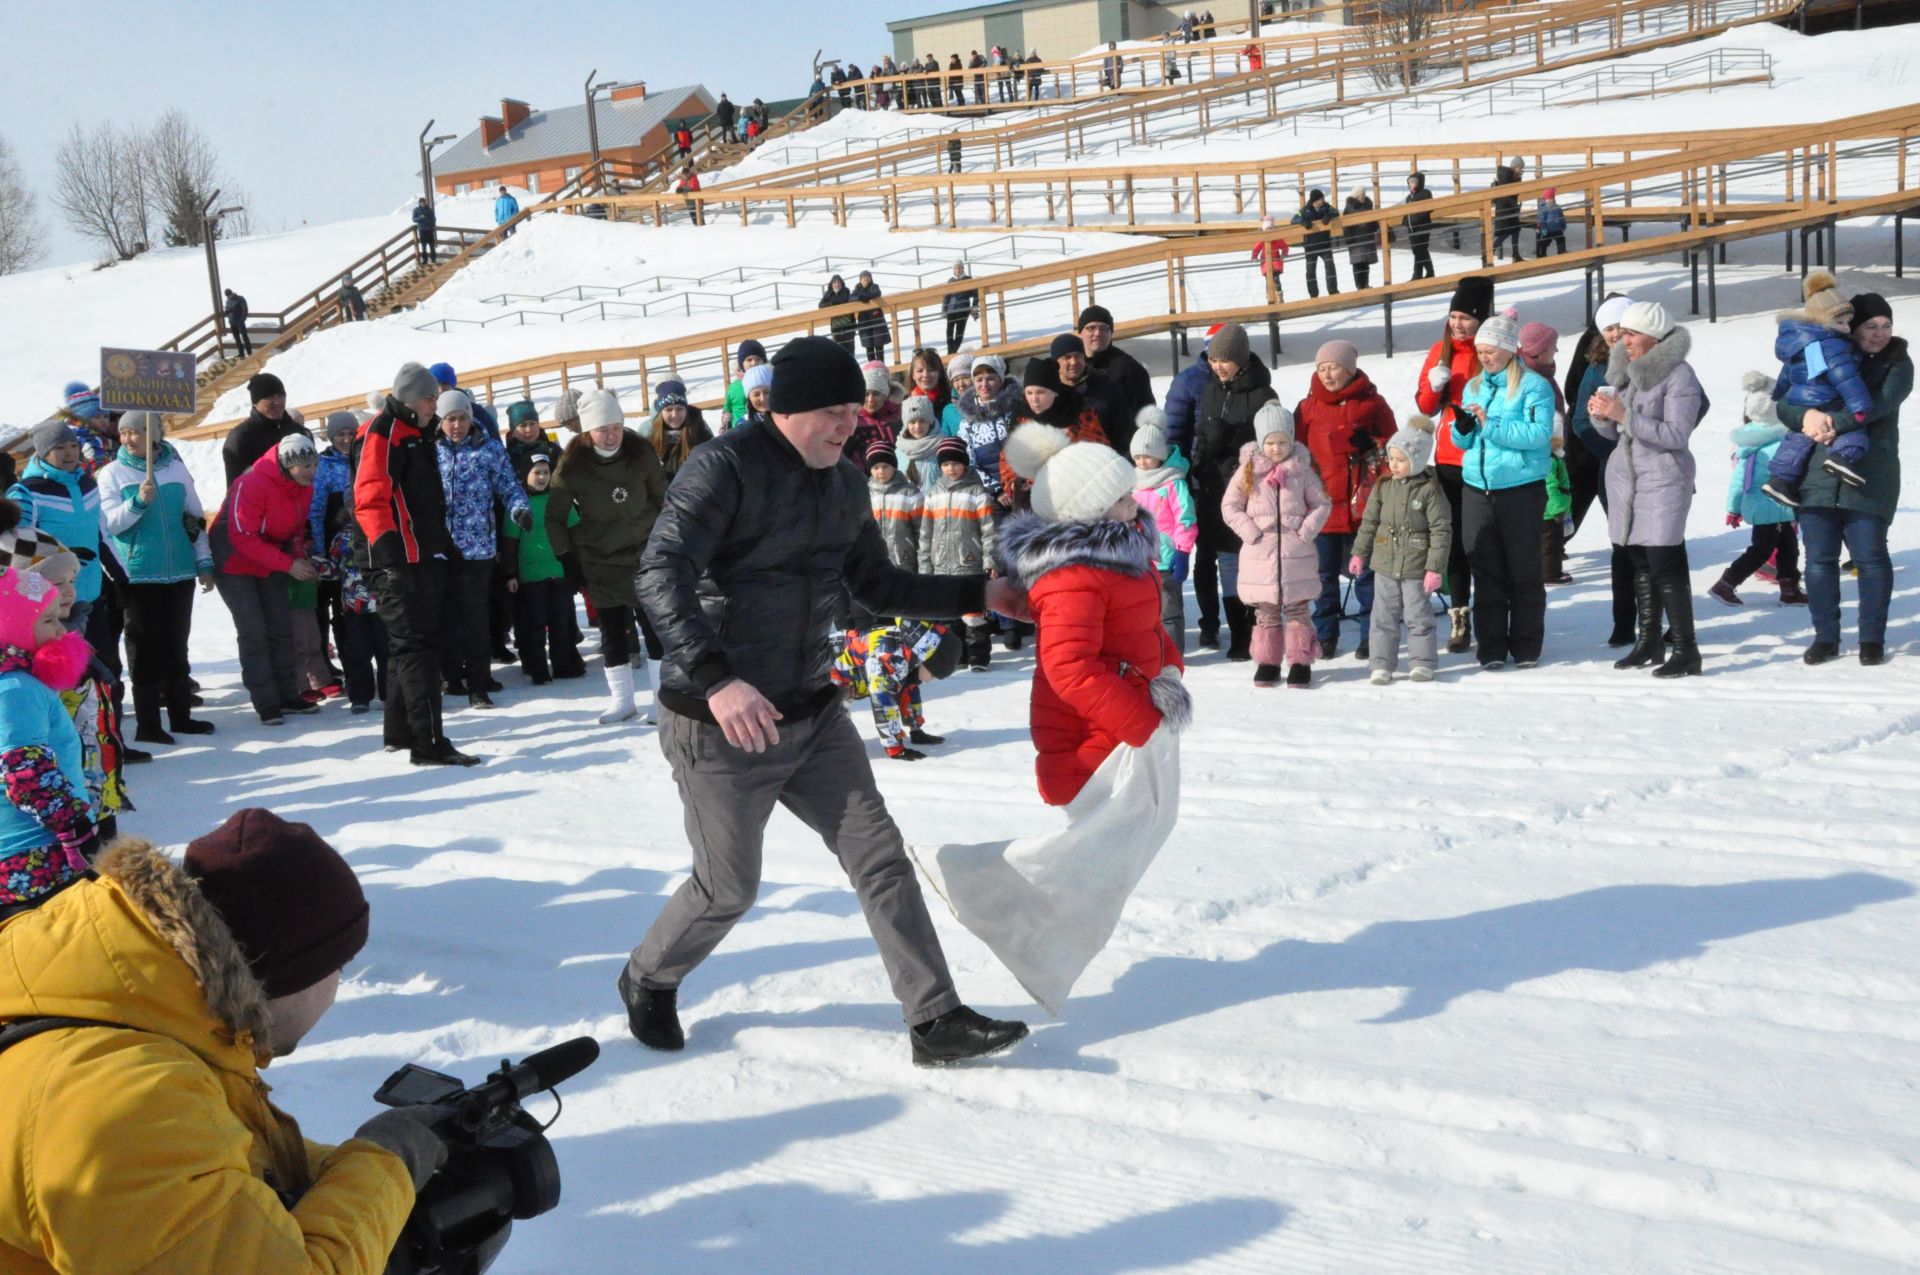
[1566,970]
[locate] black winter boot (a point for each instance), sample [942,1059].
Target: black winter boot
[1821,653]
[1646,604]
[1299,677]
[961,1034]
[180,700]
[653,1015]
[1240,627]
[1872,653]
[1676,599]
[146,716]
[1266,675]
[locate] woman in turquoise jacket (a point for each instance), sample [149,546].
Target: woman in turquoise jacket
[158,527]
[56,495]
[1505,433]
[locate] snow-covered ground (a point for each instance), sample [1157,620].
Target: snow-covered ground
[1565,970]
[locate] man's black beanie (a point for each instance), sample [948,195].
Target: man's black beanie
[815,372]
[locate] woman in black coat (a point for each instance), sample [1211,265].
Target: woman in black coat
[1223,423]
[841,326]
[874,337]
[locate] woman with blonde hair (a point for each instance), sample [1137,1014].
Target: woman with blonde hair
[1505,432]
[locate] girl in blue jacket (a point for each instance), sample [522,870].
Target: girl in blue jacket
[1505,433]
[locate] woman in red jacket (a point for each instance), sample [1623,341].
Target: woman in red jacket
[259,542]
[1450,364]
[1343,421]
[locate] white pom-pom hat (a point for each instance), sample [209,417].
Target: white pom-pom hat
[1072,482]
[600,407]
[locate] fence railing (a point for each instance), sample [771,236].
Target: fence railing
[1755,183]
[1592,30]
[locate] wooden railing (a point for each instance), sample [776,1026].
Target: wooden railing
[1529,33]
[1752,183]
[1124,198]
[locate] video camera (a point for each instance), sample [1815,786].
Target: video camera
[500,1165]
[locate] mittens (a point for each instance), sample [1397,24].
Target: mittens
[1431,582]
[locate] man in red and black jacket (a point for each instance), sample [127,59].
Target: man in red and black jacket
[400,539]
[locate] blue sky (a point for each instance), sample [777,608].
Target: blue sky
[316,107]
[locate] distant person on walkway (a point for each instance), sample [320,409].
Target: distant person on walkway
[236,307]
[1506,209]
[874,336]
[353,306]
[1318,244]
[958,306]
[843,327]
[425,230]
[1033,75]
[1362,240]
[1419,226]
[1549,225]
[724,115]
[1270,256]
[505,208]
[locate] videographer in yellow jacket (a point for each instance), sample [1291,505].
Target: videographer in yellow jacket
[143,1141]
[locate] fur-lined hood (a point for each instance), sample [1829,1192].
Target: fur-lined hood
[1030,546]
[1651,368]
[141,947]
[1001,407]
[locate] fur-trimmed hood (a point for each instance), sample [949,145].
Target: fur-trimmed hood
[141,947]
[579,451]
[1030,546]
[1001,407]
[1651,368]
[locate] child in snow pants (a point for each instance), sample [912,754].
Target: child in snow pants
[1405,536]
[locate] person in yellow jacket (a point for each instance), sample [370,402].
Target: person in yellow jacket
[147,1142]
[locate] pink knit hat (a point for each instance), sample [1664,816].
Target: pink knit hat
[1538,341]
[24,597]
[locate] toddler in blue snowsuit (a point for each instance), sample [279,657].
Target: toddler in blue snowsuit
[1818,369]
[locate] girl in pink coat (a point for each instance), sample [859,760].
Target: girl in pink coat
[1277,505]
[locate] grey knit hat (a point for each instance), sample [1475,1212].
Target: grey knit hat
[1229,345]
[992,363]
[567,406]
[413,383]
[1415,440]
[152,424]
[918,407]
[49,434]
[1272,419]
[1150,433]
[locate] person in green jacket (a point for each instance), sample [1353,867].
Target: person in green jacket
[1405,535]
[612,478]
[1556,527]
[751,354]
[543,628]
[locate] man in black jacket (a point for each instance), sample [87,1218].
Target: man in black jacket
[1318,244]
[1419,226]
[236,309]
[764,529]
[1506,209]
[723,115]
[1102,394]
[425,230]
[265,426]
[1109,360]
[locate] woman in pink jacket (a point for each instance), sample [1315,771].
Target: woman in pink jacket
[1277,505]
[259,543]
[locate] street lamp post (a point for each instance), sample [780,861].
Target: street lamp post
[593,118]
[209,231]
[426,159]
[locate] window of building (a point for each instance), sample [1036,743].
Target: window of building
[459,188]
[533,183]
[573,171]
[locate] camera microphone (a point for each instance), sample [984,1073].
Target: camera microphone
[536,1073]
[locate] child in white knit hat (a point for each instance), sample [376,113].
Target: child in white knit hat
[1277,505]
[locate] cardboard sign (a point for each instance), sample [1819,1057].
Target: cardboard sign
[147,381]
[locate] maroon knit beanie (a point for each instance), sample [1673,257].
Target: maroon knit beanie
[289,898]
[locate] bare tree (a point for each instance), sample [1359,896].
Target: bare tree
[1402,25]
[100,190]
[23,240]
[181,171]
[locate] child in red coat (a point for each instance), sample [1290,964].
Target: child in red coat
[1086,558]
[1108,704]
